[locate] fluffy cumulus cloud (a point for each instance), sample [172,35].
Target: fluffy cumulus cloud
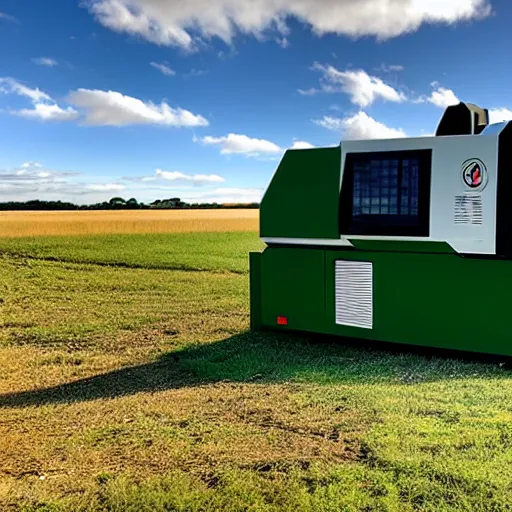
[497,115]
[183,24]
[234,143]
[97,107]
[443,98]
[48,112]
[440,96]
[111,108]
[363,89]
[360,126]
[163,68]
[45,61]
[44,108]
[301,144]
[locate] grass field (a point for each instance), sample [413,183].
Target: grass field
[130,382]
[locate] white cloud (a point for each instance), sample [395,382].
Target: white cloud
[242,144]
[362,88]
[163,68]
[32,179]
[44,107]
[111,108]
[46,112]
[105,187]
[181,23]
[301,144]
[28,165]
[497,115]
[442,97]
[33,171]
[330,122]
[197,179]
[9,85]
[227,195]
[360,126]
[105,108]
[45,61]
[160,176]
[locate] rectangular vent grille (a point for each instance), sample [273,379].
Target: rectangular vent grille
[354,293]
[468,210]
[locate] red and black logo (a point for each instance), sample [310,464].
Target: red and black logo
[474,174]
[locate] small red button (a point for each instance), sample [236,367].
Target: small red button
[282,320]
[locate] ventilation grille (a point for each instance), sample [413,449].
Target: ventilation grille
[354,293]
[468,210]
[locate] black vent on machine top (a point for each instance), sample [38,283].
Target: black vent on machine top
[463,119]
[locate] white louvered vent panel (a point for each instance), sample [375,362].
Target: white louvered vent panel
[354,293]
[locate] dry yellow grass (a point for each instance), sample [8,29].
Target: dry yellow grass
[20,224]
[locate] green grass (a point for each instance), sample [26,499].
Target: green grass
[48,303]
[137,387]
[172,251]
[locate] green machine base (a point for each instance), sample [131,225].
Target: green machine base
[435,299]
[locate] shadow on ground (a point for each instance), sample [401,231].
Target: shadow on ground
[272,358]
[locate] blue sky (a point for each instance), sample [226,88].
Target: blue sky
[199,99]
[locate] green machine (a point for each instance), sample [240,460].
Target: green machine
[401,240]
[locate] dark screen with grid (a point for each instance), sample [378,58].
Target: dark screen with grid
[386,187]
[386,193]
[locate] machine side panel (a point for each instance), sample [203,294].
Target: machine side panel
[302,198]
[293,287]
[437,300]
[504,203]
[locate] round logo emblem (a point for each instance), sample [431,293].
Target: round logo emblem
[474,174]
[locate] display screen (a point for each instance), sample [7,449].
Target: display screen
[386,193]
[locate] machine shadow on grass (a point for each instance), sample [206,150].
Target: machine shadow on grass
[261,357]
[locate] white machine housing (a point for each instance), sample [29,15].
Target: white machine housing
[462,215]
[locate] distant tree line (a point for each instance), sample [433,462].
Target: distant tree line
[118,203]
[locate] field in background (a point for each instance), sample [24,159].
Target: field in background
[129,382]
[21,224]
